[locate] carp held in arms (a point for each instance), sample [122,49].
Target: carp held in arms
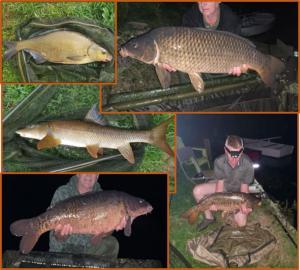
[197,50]
[95,213]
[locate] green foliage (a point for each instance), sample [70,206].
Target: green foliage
[154,159]
[13,94]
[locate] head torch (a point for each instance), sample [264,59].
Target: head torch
[234,154]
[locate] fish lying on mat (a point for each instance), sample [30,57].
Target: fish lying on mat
[95,137]
[223,201]
[66,47]
[197,50]
[96,213]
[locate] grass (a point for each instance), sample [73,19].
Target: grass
[13,94]
[154,159]
[14,14]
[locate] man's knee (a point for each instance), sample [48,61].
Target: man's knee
[112,246]
[197,192]
[107,247]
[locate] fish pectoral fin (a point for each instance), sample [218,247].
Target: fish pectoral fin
[48,142]
[93,150]
[127,230]
[197,81]
[164,76]
[100,151]
[126,152]
[38,58]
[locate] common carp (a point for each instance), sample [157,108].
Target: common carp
[197,50]
[66,47]
[95,213]
[95,137]
[223,201]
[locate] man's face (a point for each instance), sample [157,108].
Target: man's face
[232,157]
[87,181]
[208,8]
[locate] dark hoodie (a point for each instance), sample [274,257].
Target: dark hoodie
[229,21]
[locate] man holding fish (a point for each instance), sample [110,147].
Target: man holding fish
[233,172]
[62,239]
[215,16]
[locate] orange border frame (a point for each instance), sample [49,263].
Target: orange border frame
[104,173]
[175,113]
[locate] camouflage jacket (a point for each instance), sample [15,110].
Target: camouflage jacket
[75,243]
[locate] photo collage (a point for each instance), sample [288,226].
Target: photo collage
[149,134]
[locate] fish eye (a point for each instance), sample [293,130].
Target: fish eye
[141,201]
[135,45]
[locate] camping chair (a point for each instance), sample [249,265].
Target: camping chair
[191,158]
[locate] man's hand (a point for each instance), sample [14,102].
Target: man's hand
[62,232]
[168,68]
[245,210]
[213,208]
[237,71]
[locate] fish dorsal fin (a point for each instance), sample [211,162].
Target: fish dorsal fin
[225,33]
[48,141]
[126,152]
[93,150]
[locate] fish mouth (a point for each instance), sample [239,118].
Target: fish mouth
[123,52]
[20,132]
[149,210]
[108,58]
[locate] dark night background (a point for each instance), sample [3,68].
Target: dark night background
[28,195]
[286,22]
[277,176]
[285,26]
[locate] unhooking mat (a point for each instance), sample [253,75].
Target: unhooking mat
[21,154]
[30,71]
[232,247]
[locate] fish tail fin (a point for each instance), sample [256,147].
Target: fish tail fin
[158,136]
[268,73]
[11,49]
[25,228]
[191,215]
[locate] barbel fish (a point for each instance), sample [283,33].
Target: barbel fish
[196,50]
[95,137]
[95,213]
